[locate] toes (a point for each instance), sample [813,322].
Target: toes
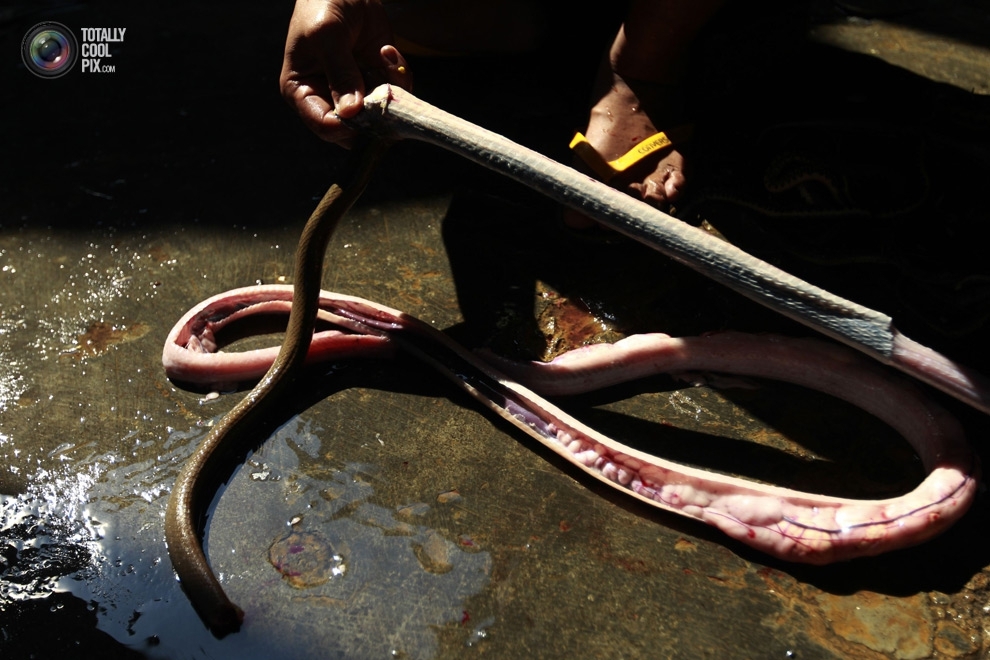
[674,185]
[655,190]
[660,187]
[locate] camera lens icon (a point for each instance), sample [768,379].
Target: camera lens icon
[49,50]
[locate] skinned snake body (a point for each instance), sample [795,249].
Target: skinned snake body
[782,522]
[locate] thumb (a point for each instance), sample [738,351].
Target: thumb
[397,71]
[345,82]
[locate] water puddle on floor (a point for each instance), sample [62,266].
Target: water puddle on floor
[300,544]
[326,556]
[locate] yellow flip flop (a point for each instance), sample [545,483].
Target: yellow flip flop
[607,170]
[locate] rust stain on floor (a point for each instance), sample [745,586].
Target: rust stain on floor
[100,336]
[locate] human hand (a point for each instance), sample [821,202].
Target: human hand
[334,50]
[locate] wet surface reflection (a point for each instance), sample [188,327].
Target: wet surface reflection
[95,534]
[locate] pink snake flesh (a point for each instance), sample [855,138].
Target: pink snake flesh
[784,523]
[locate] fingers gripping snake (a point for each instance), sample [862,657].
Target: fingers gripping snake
[785,523]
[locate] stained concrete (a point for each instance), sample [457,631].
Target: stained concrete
[128,197]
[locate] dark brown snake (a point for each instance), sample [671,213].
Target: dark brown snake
[207,467]
[391,114]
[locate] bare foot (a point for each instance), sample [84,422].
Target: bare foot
[628,113]
[625,113]
[652,45]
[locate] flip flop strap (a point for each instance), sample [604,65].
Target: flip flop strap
[606,170]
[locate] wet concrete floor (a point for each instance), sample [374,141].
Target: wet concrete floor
[434,529]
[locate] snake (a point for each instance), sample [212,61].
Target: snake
[209,464]
[787,524]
